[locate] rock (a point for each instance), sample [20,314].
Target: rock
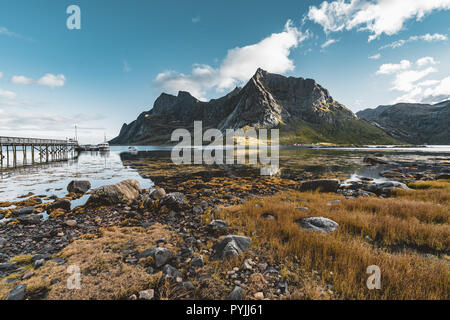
[324,185]
[319,224]
[187,285]
[373,160]
[170,272]
[18,293]
[174,201]
[283,286]
[147,294]
[61,204]
[302,208]
[197,210]
[259,295]
[23,211]
[248,264]
[71,223]
[385,187]
[158,194]
[197,262]
[38,263]
[236,294]
[218,225]
[160,255]
[79,186]
[127,190]
[268,216]
[29,219]
[27,275]
[443,176]
[230,246]
[45,256]
[8,266]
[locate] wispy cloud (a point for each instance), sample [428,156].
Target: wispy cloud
[408,79]
[7,94]
[375,56]
[328,43]
[426,37]
[49,80]
[5,31]
[375,16]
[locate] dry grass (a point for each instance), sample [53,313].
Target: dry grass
[104,273]
[410,220]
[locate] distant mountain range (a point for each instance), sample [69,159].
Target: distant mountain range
[412,122]
[303,110]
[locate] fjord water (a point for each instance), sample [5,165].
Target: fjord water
[104,168]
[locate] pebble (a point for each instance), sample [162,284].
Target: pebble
[259,295]
[71,223]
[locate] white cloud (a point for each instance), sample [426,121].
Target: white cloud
[390,68]
[48,79]
[375,56]
[437,93]
[21,80]
[52,80]
[407,77]
[377,16]
[328,43]
[7,94]
[405,80]
[425,61]
[426,37]
[271,54]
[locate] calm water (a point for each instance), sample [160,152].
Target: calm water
[107,168]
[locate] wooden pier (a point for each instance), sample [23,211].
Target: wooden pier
[40,151]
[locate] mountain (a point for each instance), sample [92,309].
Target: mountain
[414,123]
[303,110]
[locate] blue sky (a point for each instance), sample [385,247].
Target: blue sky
[365,52]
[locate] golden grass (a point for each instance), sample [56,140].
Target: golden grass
[342,258]
[104,273]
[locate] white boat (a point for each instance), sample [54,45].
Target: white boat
[103,146]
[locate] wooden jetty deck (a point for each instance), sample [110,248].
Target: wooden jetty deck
[40,150]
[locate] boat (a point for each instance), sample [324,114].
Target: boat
[103,146]
[133,149]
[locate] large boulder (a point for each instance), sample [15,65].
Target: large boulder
[18,293]
[174,201]
[79,186]
[127,190]
[324,185]
[319,224]
[230,246]
[385,187]
[22,211]
[29,219]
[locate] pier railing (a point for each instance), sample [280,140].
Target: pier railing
[34,141]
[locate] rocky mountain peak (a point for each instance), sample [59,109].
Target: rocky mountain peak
[268,100]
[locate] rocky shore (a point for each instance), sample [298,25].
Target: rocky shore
[198,254]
